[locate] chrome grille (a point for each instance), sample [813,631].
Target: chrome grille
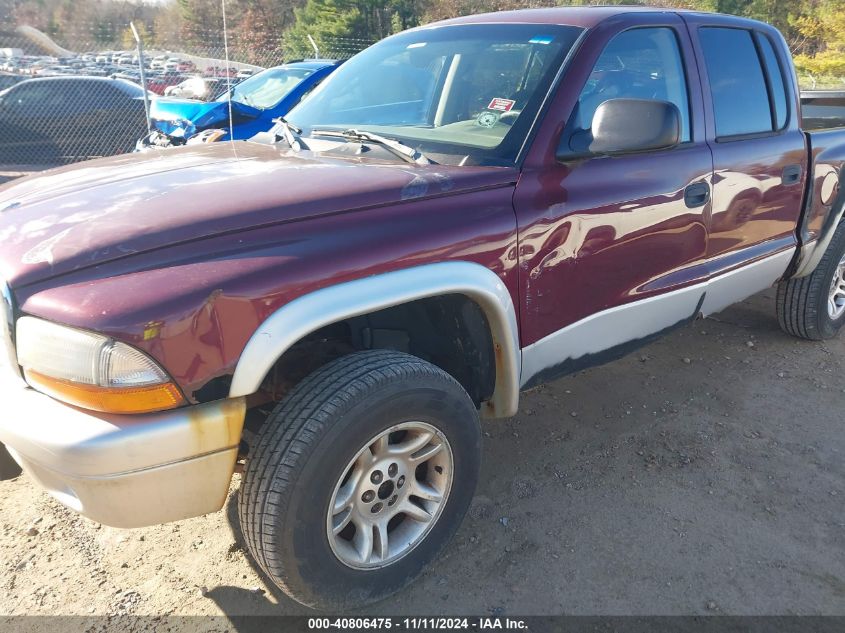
[8,358]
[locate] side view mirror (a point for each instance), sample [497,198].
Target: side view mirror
[627,126]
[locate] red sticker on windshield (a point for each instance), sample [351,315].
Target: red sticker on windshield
[501,105]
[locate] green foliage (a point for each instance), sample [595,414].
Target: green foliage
[820,44]
[322,20]
[366,20]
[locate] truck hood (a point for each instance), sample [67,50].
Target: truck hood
[183,118]
[98,211]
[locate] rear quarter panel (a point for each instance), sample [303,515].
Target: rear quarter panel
[827,151]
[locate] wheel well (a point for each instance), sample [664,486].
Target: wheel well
[448,331]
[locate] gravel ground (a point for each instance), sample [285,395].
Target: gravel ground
[703,474]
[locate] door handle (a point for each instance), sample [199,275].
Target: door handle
[697,194]
[791,174]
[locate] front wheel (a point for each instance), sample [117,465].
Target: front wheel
[359,478]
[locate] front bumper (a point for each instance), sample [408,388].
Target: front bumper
[125,470]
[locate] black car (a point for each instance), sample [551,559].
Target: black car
[8,80]
[56,120]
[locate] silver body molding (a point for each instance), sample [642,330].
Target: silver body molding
[640,319]
[329,305]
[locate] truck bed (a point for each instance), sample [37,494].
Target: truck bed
[822,109]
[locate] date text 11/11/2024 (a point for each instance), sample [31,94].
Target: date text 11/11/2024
[418,624]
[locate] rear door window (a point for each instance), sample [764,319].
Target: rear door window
[737,83]
[775,74]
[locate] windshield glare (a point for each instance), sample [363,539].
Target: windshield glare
[466,93]
[266,89]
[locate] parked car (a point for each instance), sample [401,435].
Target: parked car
[219,71]
[64,119]
[161,81]
[255,103]
[200,88]
[158,62]
[174,64]
[98,71]
[460,212]
[129,75]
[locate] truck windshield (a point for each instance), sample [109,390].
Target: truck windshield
[463,94]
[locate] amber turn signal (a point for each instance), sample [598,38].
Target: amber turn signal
[145,399]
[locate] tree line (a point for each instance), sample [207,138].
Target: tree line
[815,29]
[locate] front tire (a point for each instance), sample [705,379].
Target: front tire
[359,478]
[813,307]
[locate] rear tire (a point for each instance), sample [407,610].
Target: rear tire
[813,307]
[369,433]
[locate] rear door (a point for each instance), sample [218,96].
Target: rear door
[759,154]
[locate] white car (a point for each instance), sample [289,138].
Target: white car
[192,88]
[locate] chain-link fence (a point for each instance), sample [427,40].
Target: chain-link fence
[70,81]
[73,95]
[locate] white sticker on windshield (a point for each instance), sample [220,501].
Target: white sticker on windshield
[541,39]
[501,105]
[487,119]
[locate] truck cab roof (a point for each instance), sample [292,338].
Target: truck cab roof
[585,17]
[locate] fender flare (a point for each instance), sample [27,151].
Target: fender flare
[810,254]
[331,304]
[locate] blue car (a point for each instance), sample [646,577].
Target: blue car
[256,101]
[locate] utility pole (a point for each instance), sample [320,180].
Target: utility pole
[140,48]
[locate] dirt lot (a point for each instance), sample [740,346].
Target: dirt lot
[704,474]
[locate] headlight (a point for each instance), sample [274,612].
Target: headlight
[92,371]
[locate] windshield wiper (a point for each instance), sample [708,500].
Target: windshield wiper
[290,133]
[406,153]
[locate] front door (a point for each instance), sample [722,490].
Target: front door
[612,248]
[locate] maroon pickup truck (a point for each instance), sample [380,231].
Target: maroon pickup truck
[460,212]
